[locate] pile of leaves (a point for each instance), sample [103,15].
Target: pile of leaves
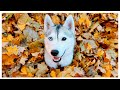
[95,53]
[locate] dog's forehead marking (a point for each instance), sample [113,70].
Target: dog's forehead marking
[57,29]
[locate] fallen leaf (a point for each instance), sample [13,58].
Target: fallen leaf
[42,69]
[56,19]
[94,26]
[100,52]
[30,34]
[7,60]
[53,74]
[24,70]
[12,50]
[23,59]
[8,38]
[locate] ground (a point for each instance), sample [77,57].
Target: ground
[95,54]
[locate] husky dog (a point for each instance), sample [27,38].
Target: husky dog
[59,42]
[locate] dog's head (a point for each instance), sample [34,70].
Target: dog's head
[59,38]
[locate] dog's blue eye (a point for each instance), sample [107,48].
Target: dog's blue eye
[50,38]
[64,38]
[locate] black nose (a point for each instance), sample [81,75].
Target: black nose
[54,52]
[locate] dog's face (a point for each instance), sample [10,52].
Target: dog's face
[58,38]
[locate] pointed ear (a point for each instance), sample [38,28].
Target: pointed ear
[69,23]
[47,22]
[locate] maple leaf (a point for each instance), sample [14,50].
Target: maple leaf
[8,60]
[8,38]
[96,35]
[94,26]
[100,52]
[42,36]
[107,74]
[22,21]
[79,70]
[96,49]
[110,54]
[32,70]
[12,50]
[84,19]
[24,70]
[53,74]
[89,46]
[20,49]
[42,69]
[17,15]
[56,19]
[30,34]
[23,59]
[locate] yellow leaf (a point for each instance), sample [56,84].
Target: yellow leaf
[42,36]
[84,19]
[96,35]
[106,41]
[107,67]
[60,74]
[8,38]
[24,70]
[88,22]
[30,75]
[12,50]
[23,18]
[89,46]
[57,71]
[100,52]
[4,39]
[81,20]
[21,26]
[53,74]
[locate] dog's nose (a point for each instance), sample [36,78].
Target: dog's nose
[54,52]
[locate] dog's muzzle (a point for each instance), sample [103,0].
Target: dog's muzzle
[58,59]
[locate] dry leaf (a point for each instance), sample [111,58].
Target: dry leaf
[12,50]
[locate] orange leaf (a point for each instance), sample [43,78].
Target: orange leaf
[12,50]
[42,36]
[8,38]
[8,60]
[17,15]
[106,60]
[53,73]
[107,74]
[56,19]
[24,70]
[30,74]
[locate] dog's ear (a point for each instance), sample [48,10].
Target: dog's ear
[69,23]
[47,22]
